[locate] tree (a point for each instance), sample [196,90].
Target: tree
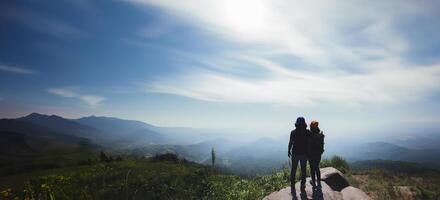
[213,157]
[103,157]
[119,158]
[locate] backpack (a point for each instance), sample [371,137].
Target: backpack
[316,143]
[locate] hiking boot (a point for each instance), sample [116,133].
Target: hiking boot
[313,184]
[293,192]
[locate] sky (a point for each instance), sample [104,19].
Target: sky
[358,67]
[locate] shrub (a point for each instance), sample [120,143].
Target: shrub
[337,162]
[166,157]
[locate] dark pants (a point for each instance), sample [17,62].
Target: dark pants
[314,169]
[302,159]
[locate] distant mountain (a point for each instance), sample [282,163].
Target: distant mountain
[262,147]
[388,151]
[256,157]
[220,145]
[127,132]
[428,140]
[106,131]
[202,150]
[120,133]
[21,138]
[137,131]
[117,133]
[114,125]
[31,135]
[62,125]
[396,166]
[199,152]
[25,147]
[188,136]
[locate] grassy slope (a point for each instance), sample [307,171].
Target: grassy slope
[382,184]
[48,160]
[139,179]
[170,178]
[381,180]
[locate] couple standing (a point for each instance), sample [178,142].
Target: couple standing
[306,145]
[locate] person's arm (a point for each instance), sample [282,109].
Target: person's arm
[290,144]
[323,136]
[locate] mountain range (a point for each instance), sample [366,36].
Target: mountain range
[39,134]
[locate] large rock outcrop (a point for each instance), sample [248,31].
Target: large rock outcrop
[334,187]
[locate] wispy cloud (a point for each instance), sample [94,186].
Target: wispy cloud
[14,69]
[155,30]
[297,88]
[354,52]
[91,100]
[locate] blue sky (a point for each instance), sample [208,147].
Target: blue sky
[361,66]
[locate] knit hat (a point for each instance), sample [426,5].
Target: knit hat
[300,121]
[314,124]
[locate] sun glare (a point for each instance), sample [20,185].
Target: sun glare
[246,17]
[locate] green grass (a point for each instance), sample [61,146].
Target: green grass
[10,165]
[163,177]
[381,184]
[135,178]
[167,177]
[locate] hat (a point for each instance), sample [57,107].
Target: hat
[300,121]
[314,124]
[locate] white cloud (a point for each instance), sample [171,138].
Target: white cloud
[62,92]
[308,29]
[296,88]
[91,100]
[349,52]
[15,69]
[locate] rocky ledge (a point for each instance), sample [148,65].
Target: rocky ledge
[334,187]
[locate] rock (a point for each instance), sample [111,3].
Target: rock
[334,187]
[334,178]
[352,193]
[325,193]
[326,172]
[405,192]
[283,194]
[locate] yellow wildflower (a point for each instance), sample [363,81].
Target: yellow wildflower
[6,193]
[45,186]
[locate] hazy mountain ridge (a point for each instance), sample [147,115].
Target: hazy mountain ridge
[141,138]
[138,131]
[62,125]
[126,133]
[429,140]
[388,151]
[108,132]
[28,129]
[26,147]
[397,166]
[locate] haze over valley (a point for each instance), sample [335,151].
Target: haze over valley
[26,136]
